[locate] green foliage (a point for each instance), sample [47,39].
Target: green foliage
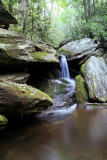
[53,20]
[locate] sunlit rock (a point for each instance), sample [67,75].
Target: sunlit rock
[80,50]
[18,51]
[95,74]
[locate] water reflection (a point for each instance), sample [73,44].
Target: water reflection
[78,136]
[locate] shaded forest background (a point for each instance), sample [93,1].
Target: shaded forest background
[52,21]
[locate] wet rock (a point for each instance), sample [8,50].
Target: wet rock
[18,51]
[21,99]
[91,106]
[95,74]
[62,91]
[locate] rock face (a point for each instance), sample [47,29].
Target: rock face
[17,99]
[17,51]
[6,18]
[15,77]
[80,49]
[95,74]
[77,46]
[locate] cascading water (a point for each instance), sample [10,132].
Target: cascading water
[65,72]
[65,69]
[64,89]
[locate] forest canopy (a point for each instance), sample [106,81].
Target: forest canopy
[53,20]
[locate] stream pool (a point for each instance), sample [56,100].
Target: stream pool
[77,135]
[59,133]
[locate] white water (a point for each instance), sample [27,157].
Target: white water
[65,70]
[63,111]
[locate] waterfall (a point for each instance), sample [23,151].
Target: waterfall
[65,70]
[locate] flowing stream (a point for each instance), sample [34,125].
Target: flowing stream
[63,134]
[64,102]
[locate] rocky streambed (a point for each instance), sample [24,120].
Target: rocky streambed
[23,61]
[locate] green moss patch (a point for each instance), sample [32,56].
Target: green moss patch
[81,91]
[39,55]
[3,120]
[83,68]
[62,50]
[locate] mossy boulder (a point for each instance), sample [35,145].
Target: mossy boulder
[95,74]
[81,90]
[18,51]
[17,99]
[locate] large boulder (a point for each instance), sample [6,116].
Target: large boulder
[95,74]
[80,50]
[21,99]
[18,51]
[6,17]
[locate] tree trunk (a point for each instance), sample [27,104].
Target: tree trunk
[94,8]
[85,10]
[32,21]
[52,6]
[24,16]
[72,19]
[89,9]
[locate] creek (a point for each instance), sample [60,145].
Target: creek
[59,133]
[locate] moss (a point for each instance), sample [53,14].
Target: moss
[39,55]
[3,120]
[52,88]
[103,99]
[62,89]
[81,91]
[83,67]
[10,40]
[7,33]
[65,81]
[62,50]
